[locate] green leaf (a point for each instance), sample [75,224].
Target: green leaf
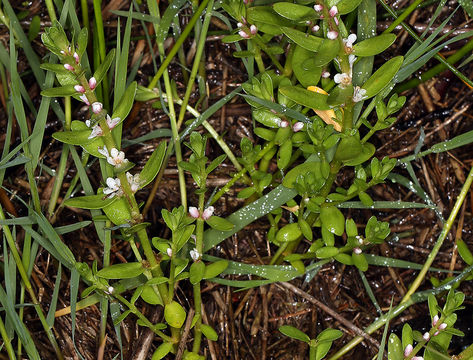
[150,296]
[374,45]
[347,6]
[464,252]
[219,223]
[329,335]
[121,271]
[327,252]
[304,66]
[209,332]
[407,337]
[326,52]
[284,154]
[73,137]
[98,201]
[322,350]
[126,103]
[309,42]
[153,165]
[360,261]
[295,172]
[294,333]
[305,229]
[305,97]
[162,351]
[118,212]
[332,219]
[289,232]
[174,314]
[383,76]
[60,91]
[103,68]
[367,151]
[267,118]
[196,272]
[215,269]
[295,12]
[395,351]
[82,40]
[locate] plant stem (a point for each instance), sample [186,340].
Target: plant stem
[24,277]
[443,235]
[7,341]
[401,17]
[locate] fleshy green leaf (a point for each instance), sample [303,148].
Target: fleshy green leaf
[174,314]
[126,102]
[332,219]
[289,232]
[103,68]
[309,42]
[305,97]
[98,201]
[294,12]
[304,66]
[215,269]
[383,76]
[294,333]
[122,271]
[196,272]
[153,165]
[395,351]
[60,91]
[219,223]
[374,45]
[162,351]
[209,332]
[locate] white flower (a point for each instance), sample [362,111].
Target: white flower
[112,122]
[408,350]
[113,187]
[115,158]
[97,107]
[194,254]
[315,28]
[343,79]
[351,61]
[253,29]
[435,320]
[318,7]
[325,74]
[359,94]
[76,57]
[92,83]
[208,213]
[417,358]
[84,99]
[357,251]
[349,41]
[96,131]
[169,252]
[134,181]
[194,212]
[426,336]
[332,35]
[442,326]
[298,126]
[111,290]
[79,88]
[239,25]
[333,11]
[68,67]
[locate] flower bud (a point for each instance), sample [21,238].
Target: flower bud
[333,11]
[435,320]
[169,252]
[97,107]
[239,25]
[408,350]
[68,67]
[76,57]
[442,326]
[357,251]
[92,83]
[318,7]
[315,28]
[84,99]
[325,74]
[253,30]
[417,358]
[283,124]
[426,336]
[332,35]
[243,34]
[208,213]
[79,88]
[194,212]
[298,126]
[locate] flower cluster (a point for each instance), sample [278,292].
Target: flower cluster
[206,214]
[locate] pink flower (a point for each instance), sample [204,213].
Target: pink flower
[243,34]
[408,350]
[84,99]
[208,213]
[97,107]
[417,358]
[318,7]
[283,124]
[315,28]
[298,126]
[112,122]
[76,57]
[68,67]
[92,83]
[253,30]
[426,336]
[435,320]
[442,326]
[325,74]
[79,88]
[96,131]
[194,212]
[333,11]
[357,251]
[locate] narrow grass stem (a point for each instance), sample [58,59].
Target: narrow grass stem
[24,277]
[443,235]
[402,16]
[6,340]
[195,66]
